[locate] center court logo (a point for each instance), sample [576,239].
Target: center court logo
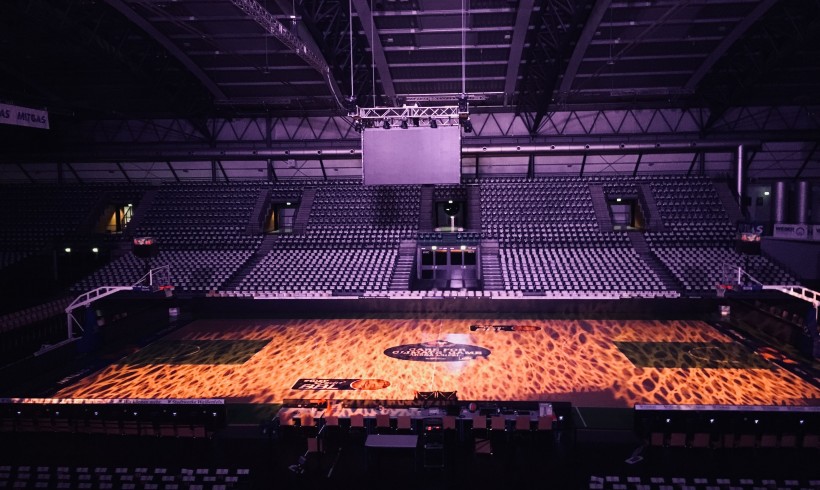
[437,351]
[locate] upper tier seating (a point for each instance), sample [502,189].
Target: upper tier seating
[548,236]
[39,217]
[36,215]
[512,212]
[202,216]
[451,191]
[550,241]
[350,242]
[698,239]
[362,269]
[383,207]
[687,199]
[200,232]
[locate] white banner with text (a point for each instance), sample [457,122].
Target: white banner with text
[23,116]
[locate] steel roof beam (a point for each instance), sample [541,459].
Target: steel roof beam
[727,43]
[446,79]
[643,36]
[433,64]
[682,21]
[522,22]
[807,160]
[434,12]
[123,172]
[449,30]
[556,31]
[366,19]
[444,48]
[678,40]
[590,27]
[266,20]
[166,43]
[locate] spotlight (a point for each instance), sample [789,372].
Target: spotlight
[766,193]
[67,250]
[403,124]
[467,125]
[357,126]
[463,107]
[416,122]
[95,250]
[350,105]
[433,123]
[386,124]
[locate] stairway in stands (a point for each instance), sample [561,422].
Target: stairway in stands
[426,208]
[649,206]
[261,205]
[140,210]
[474,207]
[236,278]
[303,213]
[727,197]
[664,274]
[491,266]
[125,245]
[601,207]
[403,270]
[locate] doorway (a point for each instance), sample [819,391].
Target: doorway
[448,267]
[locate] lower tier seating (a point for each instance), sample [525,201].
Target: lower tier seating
[577,269]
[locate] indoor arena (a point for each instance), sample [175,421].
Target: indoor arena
[258,244]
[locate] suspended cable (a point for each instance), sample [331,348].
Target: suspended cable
[463,48]
[267,62]
[372,53]
[350,19]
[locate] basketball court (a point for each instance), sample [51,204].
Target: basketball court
[592,363]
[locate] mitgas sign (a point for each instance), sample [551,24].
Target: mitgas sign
[437,351]
[23,116]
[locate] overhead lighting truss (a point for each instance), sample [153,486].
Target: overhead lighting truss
[408,112]
[432,116]
[480,97]
[268,22]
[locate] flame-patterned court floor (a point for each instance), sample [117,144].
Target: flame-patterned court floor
[607,363]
